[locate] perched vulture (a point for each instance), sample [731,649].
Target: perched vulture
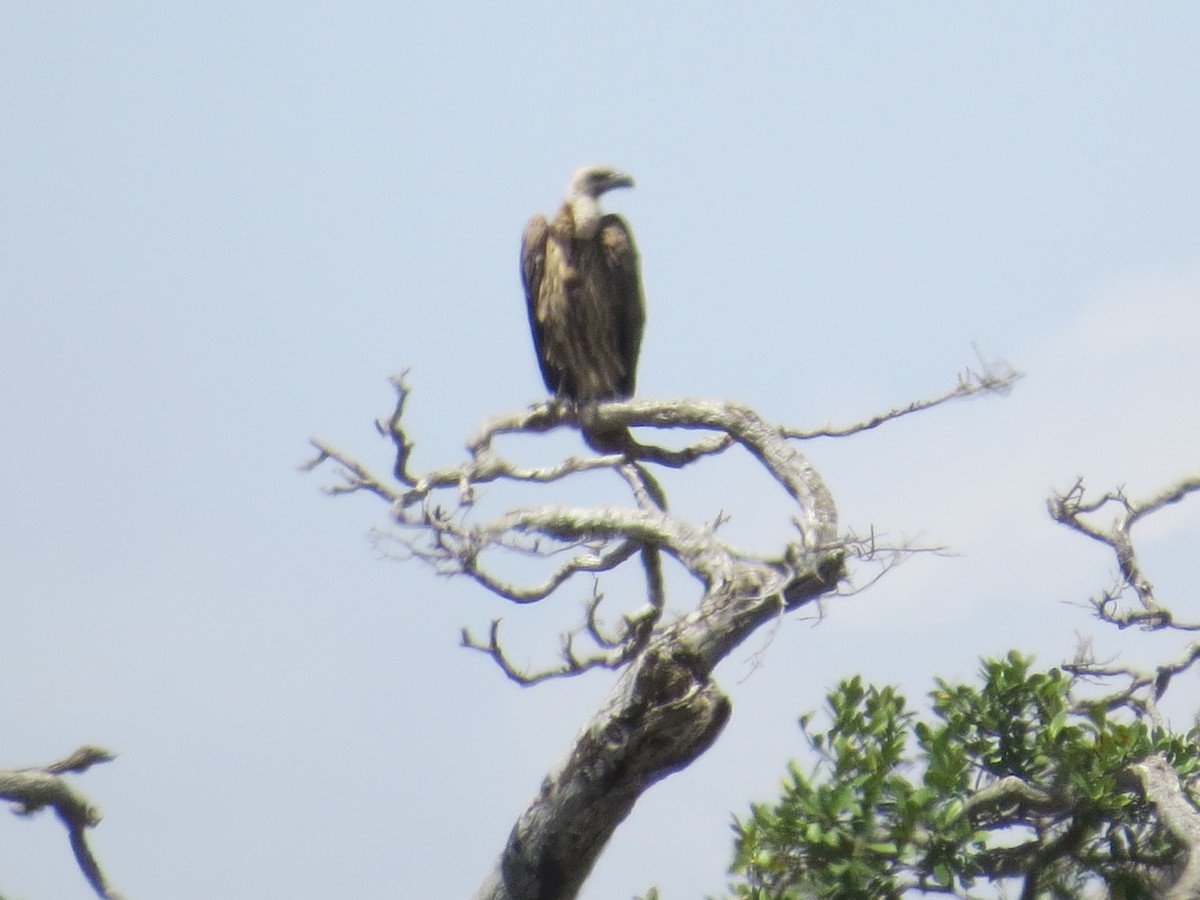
[584,293]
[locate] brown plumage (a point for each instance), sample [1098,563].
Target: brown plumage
[584,293]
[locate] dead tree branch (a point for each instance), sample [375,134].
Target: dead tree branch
[1071,509]
[33,789]
[1075,510]
[665,709]
[1155,777]
[993,377]
[1160,785]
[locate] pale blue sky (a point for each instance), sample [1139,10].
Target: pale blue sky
[222,226]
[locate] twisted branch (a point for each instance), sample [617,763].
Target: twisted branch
[1157,780]
[993,377]
[1071,507]
[1160,785]
[33,789]
[433,510]
[665,709]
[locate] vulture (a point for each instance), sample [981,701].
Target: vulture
[584,293]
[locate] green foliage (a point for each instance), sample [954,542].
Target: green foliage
[1015,778]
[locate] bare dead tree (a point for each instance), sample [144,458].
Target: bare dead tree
[33,789]
[665,709]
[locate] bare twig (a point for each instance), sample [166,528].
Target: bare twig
[572,663]
[1143,689]
[393,429]
[355,476]
[994,377]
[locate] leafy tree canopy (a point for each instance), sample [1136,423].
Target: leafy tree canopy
[1016,778]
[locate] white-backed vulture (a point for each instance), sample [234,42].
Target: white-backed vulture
[584,293]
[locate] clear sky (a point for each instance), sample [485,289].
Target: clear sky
[224,225]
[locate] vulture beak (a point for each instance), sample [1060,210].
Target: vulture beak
[619,180]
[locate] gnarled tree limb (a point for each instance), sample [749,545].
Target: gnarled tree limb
[1077,511]
[665,709]
[1160,785]
[1071,508]
[33,789]
[1154,777]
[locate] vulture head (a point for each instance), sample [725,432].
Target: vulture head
[592,181]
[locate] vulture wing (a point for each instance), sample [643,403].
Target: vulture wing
[533,270]
[629,308]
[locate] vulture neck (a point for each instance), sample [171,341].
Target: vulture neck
[586,215]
